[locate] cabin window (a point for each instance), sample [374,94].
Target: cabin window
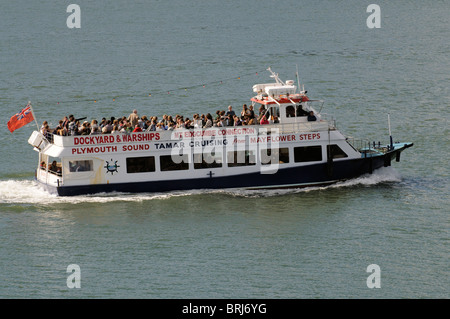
[175,163]
[275,156]
[307,154]
[335,151]
[290,111]
[207,160]
[81,166]
[140,164]
[54,166]
[241,158]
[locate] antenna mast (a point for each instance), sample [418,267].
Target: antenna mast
[298,81]
[275,76]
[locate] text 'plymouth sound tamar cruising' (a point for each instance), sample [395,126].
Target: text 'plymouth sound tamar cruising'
[290,143]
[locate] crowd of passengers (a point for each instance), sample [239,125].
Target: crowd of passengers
[70,126]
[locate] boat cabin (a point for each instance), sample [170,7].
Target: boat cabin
[283,104]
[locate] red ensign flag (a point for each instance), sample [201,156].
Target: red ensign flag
[20,119]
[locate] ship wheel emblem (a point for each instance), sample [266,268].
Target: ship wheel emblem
[111,168]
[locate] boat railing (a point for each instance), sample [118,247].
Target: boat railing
[357,143]
[330,119]
[366,147]
[324,123]
[365,144]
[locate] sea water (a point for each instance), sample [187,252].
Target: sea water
[185,57]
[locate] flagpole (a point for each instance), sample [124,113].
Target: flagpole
[34,117]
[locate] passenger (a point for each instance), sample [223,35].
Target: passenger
[152,126]
[203,119]
[77,127]
[162,125]
[122,124]
[164,120]
[64,131]
[230,112]
[123,128]
[133,118]
[73,127]
[148,123]
[79,168]
[159,127]
[264,120]
[245,113]
[311,117]
[116,127]
[251,122]
[301,111]
[102,123]
[275,119]
[262,111]
[171,126]
[84,129]
[95,131]
[217,115]
[53,167]
[66,123]
[107,129]
[59,130]
[252,112]
[143,123]
[221,122]
[94,124]
[180,123]
[237,121]
[137,128]
[208,122]
[230,120]
[43,166]
[71,119]
[197,121]
[44,124]
[47,132]
[188,123]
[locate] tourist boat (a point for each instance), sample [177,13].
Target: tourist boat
[290,151]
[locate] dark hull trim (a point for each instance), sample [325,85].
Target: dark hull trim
[292,177]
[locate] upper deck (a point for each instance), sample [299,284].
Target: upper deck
[178,134]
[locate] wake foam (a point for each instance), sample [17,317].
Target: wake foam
[29,192]
[379,176]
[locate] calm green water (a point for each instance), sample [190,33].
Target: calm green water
[313,243]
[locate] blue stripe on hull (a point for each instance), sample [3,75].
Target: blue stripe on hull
[300,176]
